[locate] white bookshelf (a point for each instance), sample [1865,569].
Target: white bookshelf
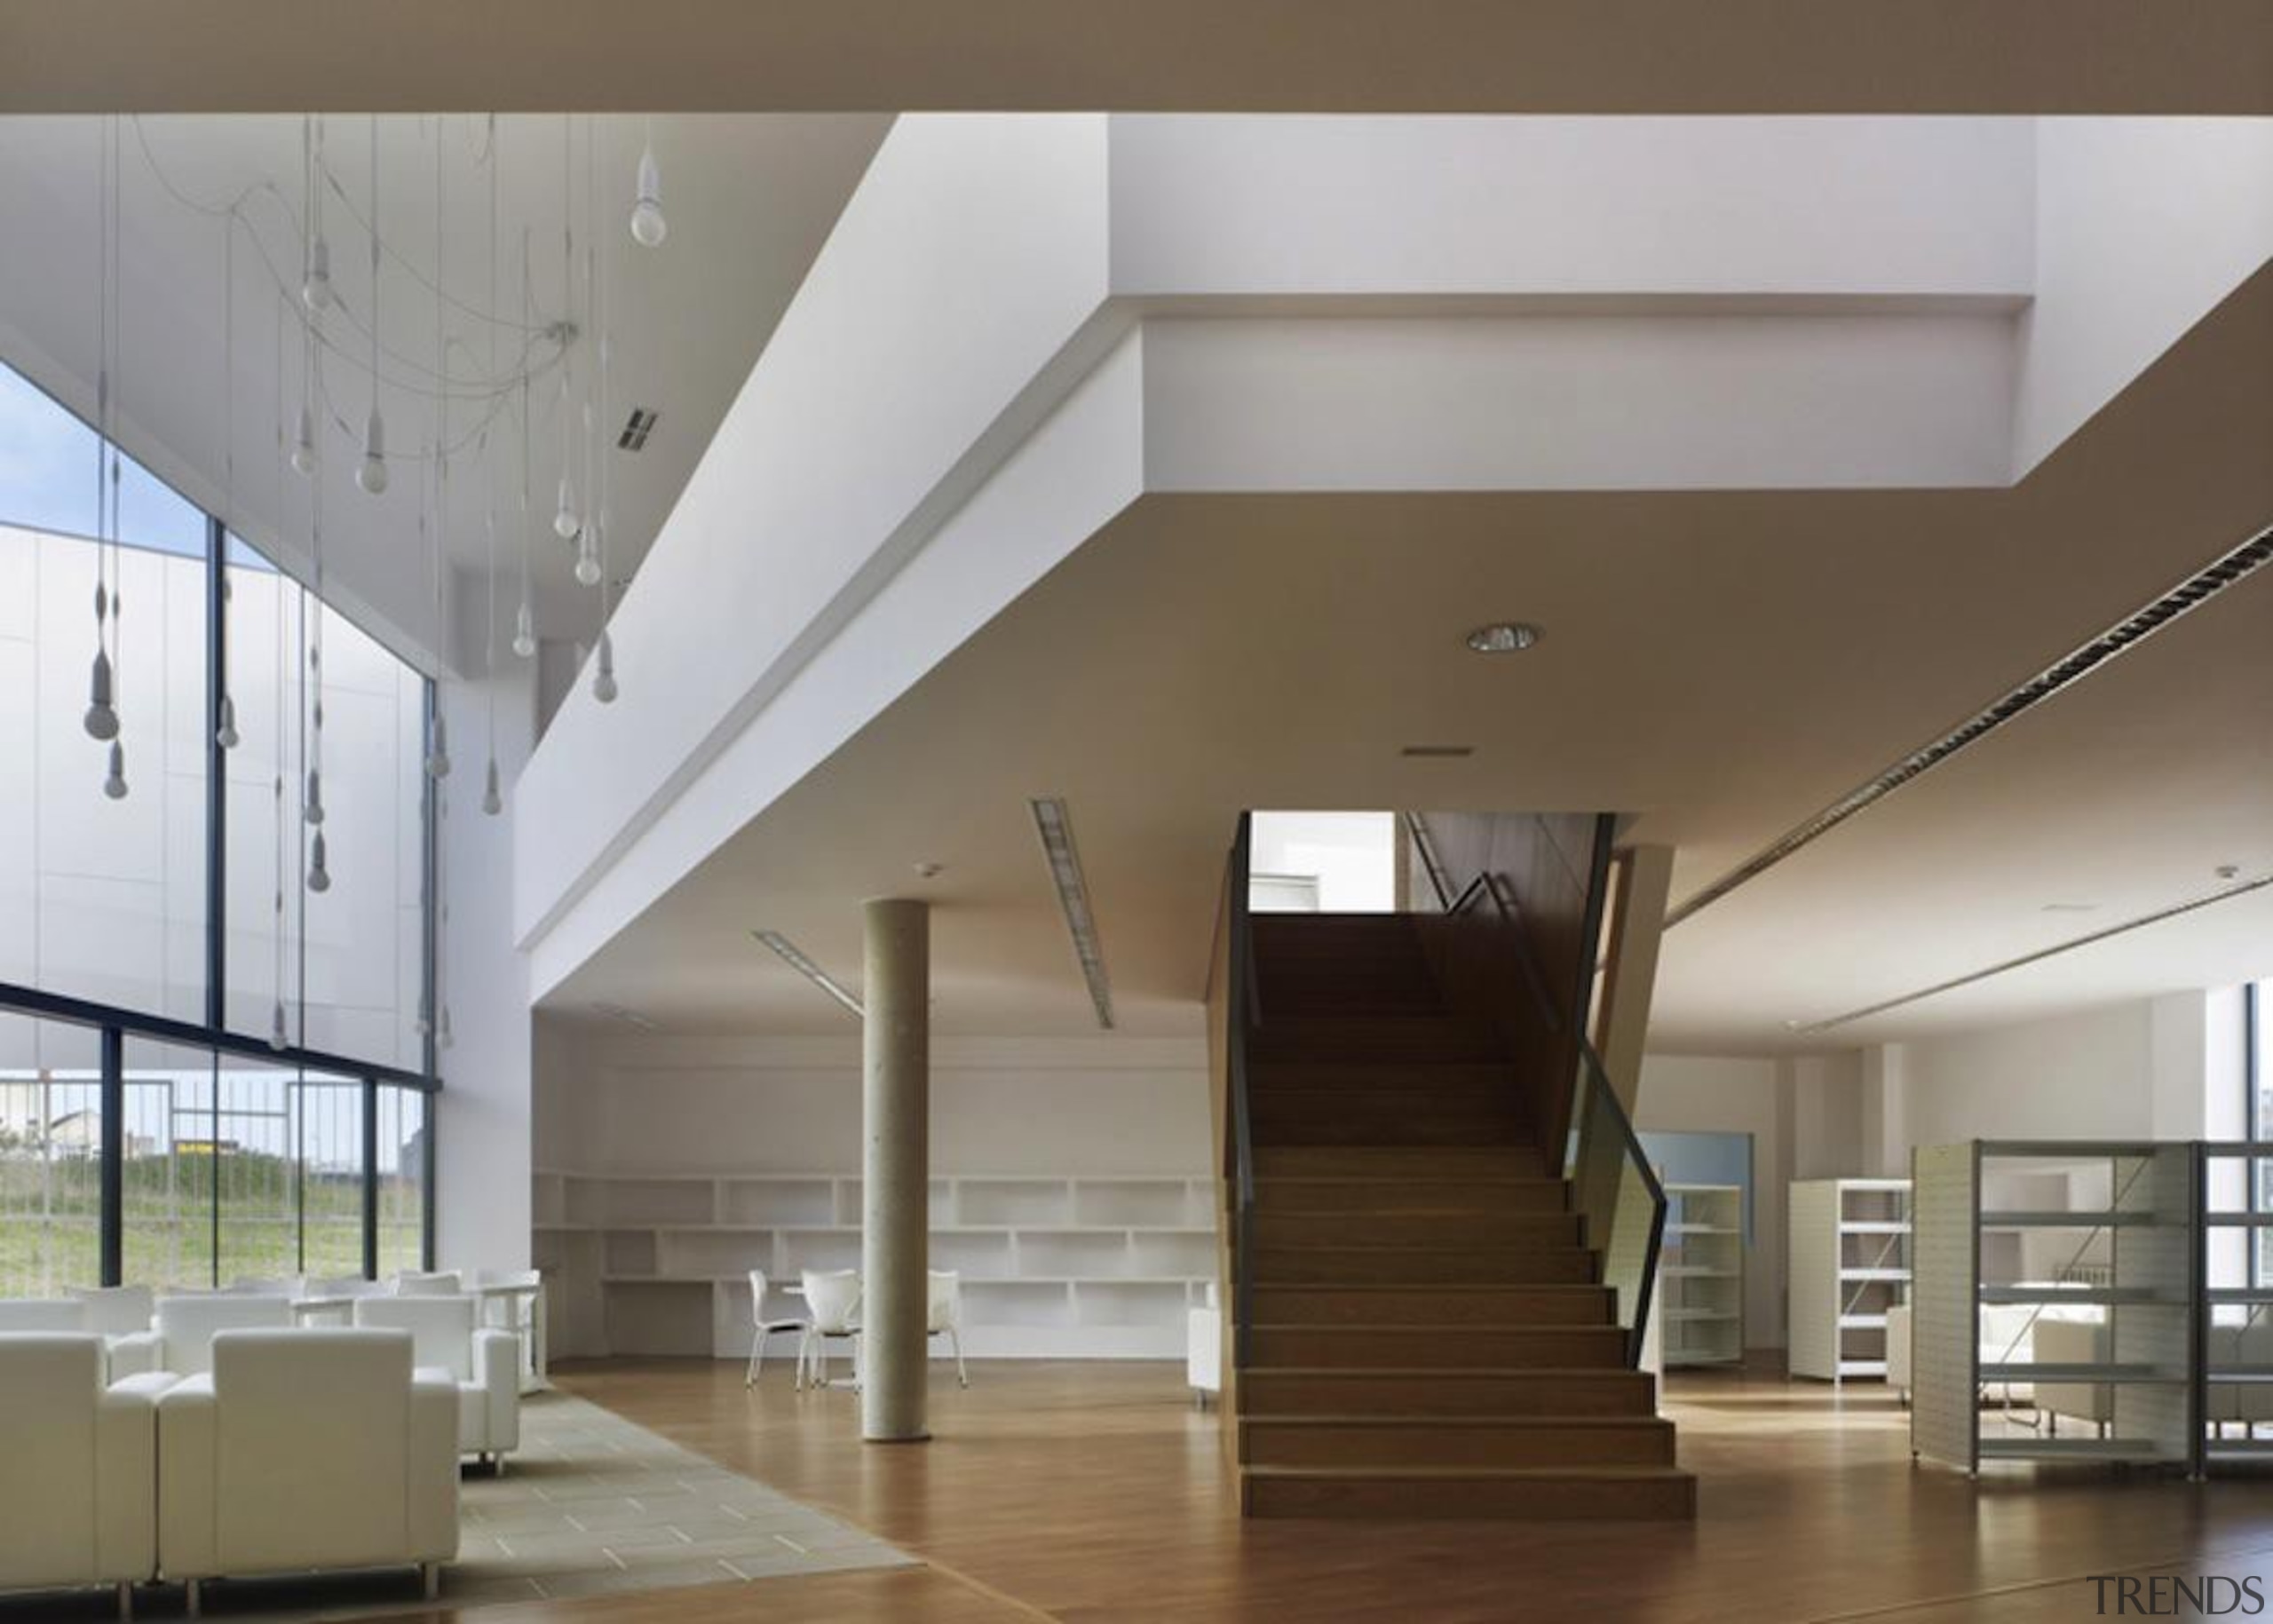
[1089,1267]
[1850,1262]
[1700,1276]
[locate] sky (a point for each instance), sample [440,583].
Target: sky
[47,477]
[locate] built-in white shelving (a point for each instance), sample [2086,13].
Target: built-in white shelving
[1085,1267]
[1849,1262]
[1700,1276]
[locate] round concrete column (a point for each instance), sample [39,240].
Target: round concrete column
[895,1170]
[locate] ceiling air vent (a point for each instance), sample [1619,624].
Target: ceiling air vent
[636,429]
[2079,663]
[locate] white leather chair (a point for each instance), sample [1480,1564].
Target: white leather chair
[78,1488]
[302,1450]
[943,1315]
[121,1316]
[43,1314]
[413,1283]
[447,1338]
[832,1309]
[340,1290]
[179,1341]
[513,1300]
[761,1328]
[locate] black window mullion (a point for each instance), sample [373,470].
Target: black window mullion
[370,1178]
[111,1220]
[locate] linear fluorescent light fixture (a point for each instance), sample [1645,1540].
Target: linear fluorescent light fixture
[1054,825]
[2208,898]
[794,958]
[2228,570]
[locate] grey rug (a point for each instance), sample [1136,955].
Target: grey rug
[592,1505]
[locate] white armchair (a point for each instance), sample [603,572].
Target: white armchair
[416,1283]
[483,1365]
[121,1316]
[306,1449]
[78,1502]
[180,1337]
[943,1314]
[49,1315]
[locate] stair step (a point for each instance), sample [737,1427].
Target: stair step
[1548,1347]
[1385,1107]
[1279,1193]
[1489,1230]
[1346,1038]
[1397,1161]
[1567,1494]
[1441,1305]
[1333,1075]
[1456,1440]
[1414,1132]
[1302,1390]
[1423,1266]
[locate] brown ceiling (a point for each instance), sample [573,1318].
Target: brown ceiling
[1720,663]
[1500,56]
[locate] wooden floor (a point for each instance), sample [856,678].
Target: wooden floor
[1095,1492]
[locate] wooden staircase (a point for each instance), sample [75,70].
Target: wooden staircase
[1429,1334]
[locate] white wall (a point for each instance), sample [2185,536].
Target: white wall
[1351,855]
[1692,1094]
[484,1125]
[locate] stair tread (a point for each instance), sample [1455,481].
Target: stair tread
[1431,1286]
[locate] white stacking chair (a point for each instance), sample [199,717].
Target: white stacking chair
[513,1300]
[943,1314]
[761,1328]
[833,1307]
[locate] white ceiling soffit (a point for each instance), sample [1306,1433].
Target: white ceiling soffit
[1842,303]
[1720,663]
[750,199]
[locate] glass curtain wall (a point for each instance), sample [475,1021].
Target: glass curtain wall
[114,904]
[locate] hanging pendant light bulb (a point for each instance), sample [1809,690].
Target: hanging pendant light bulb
[588,558]
[603,670]
[525,630]
[372,475]
[278,1035]
[102,719]
[443,1035]
[648,227]
[315,289]
[438,750]
[303,449]
[114,786]
[319,877]
[312,808]
[492,802]
[225,735]
[565,523]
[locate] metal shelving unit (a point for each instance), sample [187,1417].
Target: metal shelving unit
[1700,1276]
[1849,1248]
[2145,1378]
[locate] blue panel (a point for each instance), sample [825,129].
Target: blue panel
[1703,1159]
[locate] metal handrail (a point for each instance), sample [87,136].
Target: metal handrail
[1245,1011]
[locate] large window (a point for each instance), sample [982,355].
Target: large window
[50,1143]
[149,942]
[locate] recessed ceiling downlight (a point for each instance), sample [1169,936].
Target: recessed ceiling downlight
[1504,637]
